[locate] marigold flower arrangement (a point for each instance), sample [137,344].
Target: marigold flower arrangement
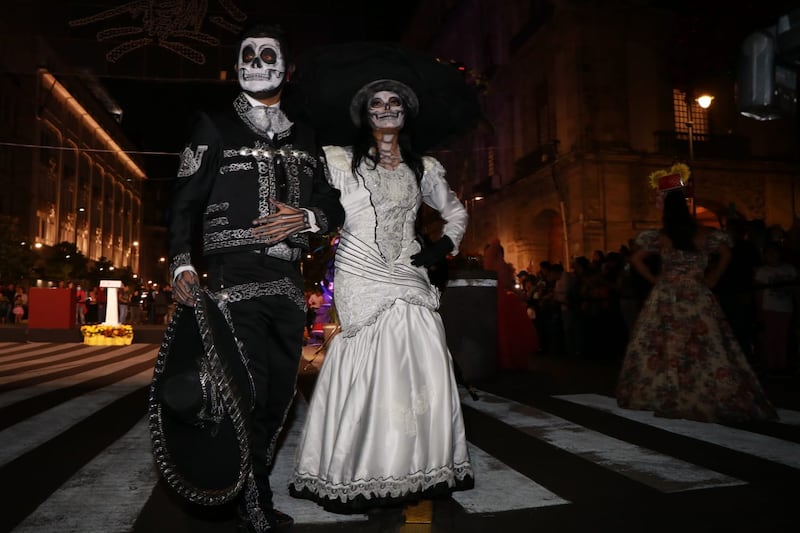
[104,334]
[104,330]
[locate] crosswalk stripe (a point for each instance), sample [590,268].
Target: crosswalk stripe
[11,347]
[17,395]
[35,350]
[303,511]
[763,446]
[106,495]
[38,429]
[499,488]
[789,417]
[124,476]
[93,354]
[99,358]
[654,469]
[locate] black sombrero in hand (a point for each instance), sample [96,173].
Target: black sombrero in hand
[326,80]
[200,400]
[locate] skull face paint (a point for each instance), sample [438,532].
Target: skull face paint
[261,66]
[386,111]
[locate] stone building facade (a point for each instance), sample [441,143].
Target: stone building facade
[65,165]
[583,102]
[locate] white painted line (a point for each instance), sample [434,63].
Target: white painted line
[37,430]
[49,355]
[18,395]
[762,446]
[303,511]
[500,488]
[29,349]
[55,367]
[106,495]
[656,470]
[789,417]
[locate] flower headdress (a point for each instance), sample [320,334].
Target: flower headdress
[675,177]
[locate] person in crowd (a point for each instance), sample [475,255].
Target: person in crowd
[102,300]
[80,305]
[135,307]
[92,316]
[255,180]
[384,425]
[5,307]
[18,309]
[124,300]
[683,360]
[735,292]
[776,281]
[9,291]
[314,300]
[517,340]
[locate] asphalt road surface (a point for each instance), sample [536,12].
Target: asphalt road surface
[550,450]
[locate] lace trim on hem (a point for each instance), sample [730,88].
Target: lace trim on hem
[381,487]
[353,329]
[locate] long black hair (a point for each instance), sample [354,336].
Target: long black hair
[679,224]
[365,146]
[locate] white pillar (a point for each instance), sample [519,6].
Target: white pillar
[112,301]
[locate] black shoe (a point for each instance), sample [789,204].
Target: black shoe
[276,520]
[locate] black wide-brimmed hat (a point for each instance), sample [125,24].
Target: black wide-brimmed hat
[328,78]
[200,400]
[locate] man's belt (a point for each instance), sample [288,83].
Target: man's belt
[280,251]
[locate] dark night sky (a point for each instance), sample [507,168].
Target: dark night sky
[157,88]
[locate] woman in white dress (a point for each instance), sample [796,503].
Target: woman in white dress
[384,424]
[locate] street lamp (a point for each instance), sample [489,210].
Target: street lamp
[704,101]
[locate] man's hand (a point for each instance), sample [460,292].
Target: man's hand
[185,287]
[285,221]
[433,253]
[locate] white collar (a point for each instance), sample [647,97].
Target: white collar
[257,103]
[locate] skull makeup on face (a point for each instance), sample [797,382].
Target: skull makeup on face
[261,66]
[386,111]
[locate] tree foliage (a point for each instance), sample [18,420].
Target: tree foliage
[16,256]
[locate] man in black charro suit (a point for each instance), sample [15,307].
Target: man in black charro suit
[256,182]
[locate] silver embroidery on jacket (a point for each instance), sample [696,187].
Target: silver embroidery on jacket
[191,160]
[248,291]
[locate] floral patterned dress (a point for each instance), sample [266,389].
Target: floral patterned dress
[683,360]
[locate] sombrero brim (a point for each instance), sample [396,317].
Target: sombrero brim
[327,79]
[199,401]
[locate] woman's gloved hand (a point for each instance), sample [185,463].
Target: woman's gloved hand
[433,253]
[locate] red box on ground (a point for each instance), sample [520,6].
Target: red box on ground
[51,308]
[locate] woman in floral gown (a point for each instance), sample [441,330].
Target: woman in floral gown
[683,360]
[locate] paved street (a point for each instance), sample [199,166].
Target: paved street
[551,452]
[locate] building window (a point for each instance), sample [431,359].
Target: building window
[681,110]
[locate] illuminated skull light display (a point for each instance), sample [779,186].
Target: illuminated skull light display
[386,111]
[261,65]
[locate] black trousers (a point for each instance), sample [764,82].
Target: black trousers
[271,328]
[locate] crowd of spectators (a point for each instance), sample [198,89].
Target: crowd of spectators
[589,309]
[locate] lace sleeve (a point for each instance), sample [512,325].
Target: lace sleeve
[436,192]
[339,172]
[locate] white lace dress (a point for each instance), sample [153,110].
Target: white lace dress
[384,423]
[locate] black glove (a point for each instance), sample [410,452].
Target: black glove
[433,253]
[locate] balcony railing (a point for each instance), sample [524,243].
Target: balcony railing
[704,145]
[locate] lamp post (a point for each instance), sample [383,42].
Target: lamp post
[704,101]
